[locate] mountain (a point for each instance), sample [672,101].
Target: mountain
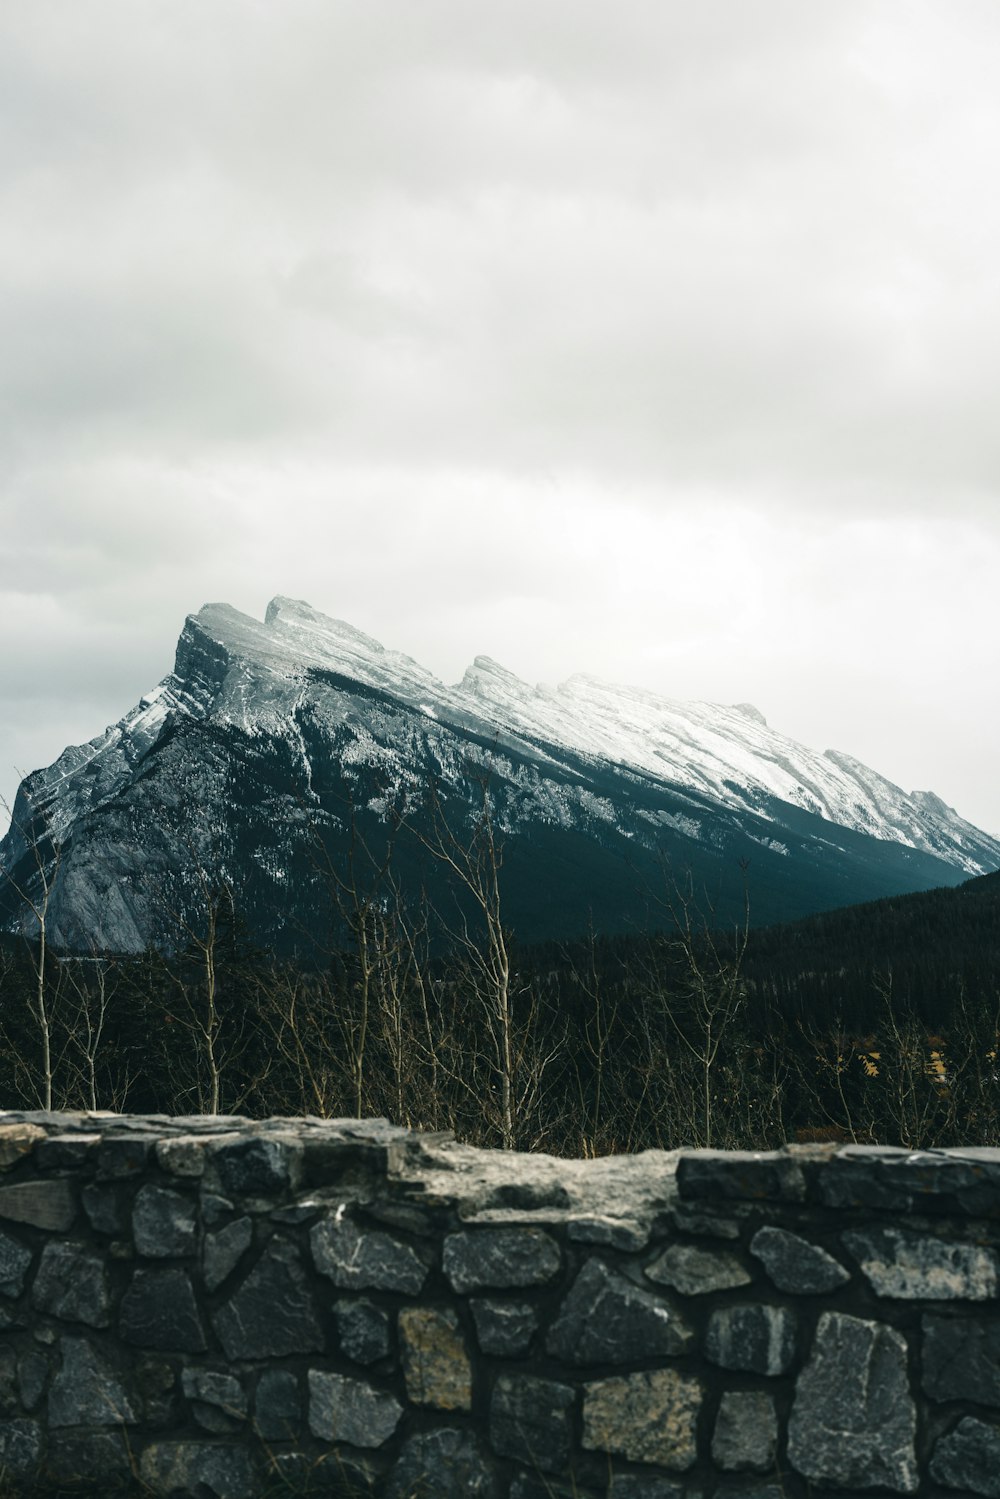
[276,753]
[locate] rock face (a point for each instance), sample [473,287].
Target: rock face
[854,1420]
[233,1309]
[295,710]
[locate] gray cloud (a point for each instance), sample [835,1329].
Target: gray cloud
[661,344]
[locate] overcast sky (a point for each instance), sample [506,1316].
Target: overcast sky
[655,339]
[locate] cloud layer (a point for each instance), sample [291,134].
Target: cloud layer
[661,344]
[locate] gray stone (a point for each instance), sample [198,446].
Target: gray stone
[198,1470]
[536,1486]
[435,1364]
[223,1251]
[505,1328]
[853,1422]
[364,1330]
[273,1311]
[48,1204]
[103,1208]
[759,1339]
[906,1266]
[441,1464]
[969,1458]
[638,1486]
[795,1265]
[86,1391]
[500,1258]
[618,1233]
[159,1311]
[32,1373]
[746,1432]
[259,1165]
[703,1221]
[121,1156]
[163,1223]
[750,1491]
[358,1259]
[8,1383]
[18,1141]
[648,1417]
[694,1271]
[531,1420]
[218,1401]
[961,1359]
[741,1175]
[277,1406]
[14,1261]
[183,1156]
[214,1209]
[20,1447]
[100,1458]
[72,1283]
[350,1410]
[155,1382]
[605,1319]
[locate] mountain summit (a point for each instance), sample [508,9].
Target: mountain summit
[272,745]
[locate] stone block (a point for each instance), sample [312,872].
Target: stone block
[968,1458]
[198,1470]
[628,1234]
[218,1401]
[364,1330]
[795,1265]
[277,1406]
[705,1223]
[741,1176]
[853,1423]
[753,1337]
[607,1319]
[435,1364]
[163,1223]
[639,1486]
[184,1155]
[100,1459]
[505,1328]
[121,1156]
[647,1417]
[261,1165]
[72,1283]
[43,1204]
[531,1420]
[695,1272]
[358,1259]
[350,1410]
[18,1141]
[908,1266]
[14,1261]
[442,1464]
[500,1259]
[159,1311]
[273,1312]
[102,1205]
[20,1448]
[222,1251]
[86,1391]
[961,1359]
[32,1374]
[746,1432]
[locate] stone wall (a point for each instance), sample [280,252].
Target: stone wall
[231,1309]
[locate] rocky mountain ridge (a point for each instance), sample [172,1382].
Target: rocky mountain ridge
[270,735]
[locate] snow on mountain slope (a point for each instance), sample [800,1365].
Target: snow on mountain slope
[728,754]
[255,675]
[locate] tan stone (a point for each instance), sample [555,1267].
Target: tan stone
[48,1204]
[435,1363]
[17,1141]
[648,1418]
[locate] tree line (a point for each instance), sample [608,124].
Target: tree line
[434,1017]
